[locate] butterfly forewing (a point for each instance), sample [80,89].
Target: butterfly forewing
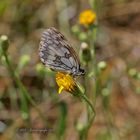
[56,53]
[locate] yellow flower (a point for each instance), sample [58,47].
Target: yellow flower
[65,82]
[87,17]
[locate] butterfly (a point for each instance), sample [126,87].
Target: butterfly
[56,53]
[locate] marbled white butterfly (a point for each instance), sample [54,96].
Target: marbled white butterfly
[56,53]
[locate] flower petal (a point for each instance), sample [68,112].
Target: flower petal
[60,89]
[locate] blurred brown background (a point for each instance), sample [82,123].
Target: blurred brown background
[118,43]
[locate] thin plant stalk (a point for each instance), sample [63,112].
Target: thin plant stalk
[24,93]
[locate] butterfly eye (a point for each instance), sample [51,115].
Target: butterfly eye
[82,71]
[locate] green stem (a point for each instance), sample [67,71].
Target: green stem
[88,102]
[91,113]
[24,93]
[24,106]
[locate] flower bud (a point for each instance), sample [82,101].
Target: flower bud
[83,36]
[40,69]
[80,126]
[24,60]
[132,72]
[4,42]
[105,92]
[102,65]
[85,52]
[75,29]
